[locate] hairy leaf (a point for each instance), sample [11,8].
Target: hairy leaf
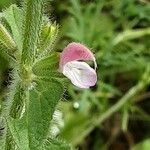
[5,38]
[47,38]
[18,102]
[14,17]
[18,129]
[43,97]
[48,66]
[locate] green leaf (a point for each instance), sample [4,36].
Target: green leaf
[7,102]
[9,143]
[18,129]
[55,144]
[48,67]
[6,39]
[33,19]
[48,37]
[18,102]
[14,16]
[6,107]
[6,139]
[32,130]
[43,99]
[2,133]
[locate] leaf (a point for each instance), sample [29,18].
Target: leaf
[2,133]
[32,130]
[32,22]
[43,99]
[14,16]
[6,107]
[55,144]
[48,67]
[47,38]
[6,139]
[6,39]
[18,102]
[9,143]
[18,129]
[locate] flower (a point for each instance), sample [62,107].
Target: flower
[72,65]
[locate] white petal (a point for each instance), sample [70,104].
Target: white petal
[80,74]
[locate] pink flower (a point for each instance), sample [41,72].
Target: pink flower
[79,72]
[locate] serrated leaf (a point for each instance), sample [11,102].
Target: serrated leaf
[14,17]
[42,101]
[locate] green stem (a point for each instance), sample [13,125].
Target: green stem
[131,34]
[142,84]
[33,19]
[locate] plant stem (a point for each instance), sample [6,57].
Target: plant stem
[33,19]
[142,84]
[131,34]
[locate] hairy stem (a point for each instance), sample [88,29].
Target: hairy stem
[33,18]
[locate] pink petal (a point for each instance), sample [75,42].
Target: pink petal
[80,74]
[75,51]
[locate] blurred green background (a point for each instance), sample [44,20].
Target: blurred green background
[118,32]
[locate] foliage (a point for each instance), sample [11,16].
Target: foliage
[36,86]
[112,115]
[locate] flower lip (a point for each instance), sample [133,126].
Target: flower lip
[80,74]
